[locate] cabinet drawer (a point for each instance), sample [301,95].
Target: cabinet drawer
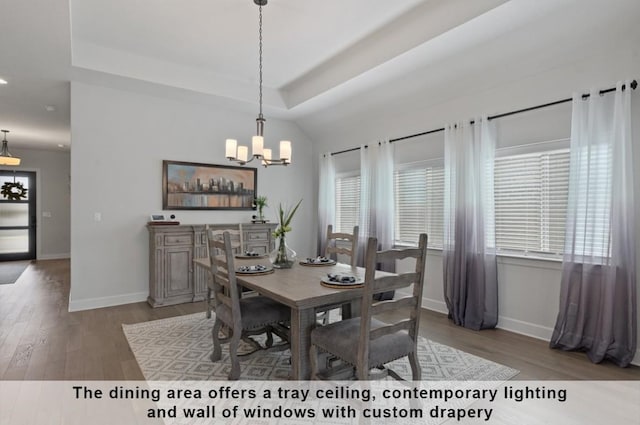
[179,239]
[262,235]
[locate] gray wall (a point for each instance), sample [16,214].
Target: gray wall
[120,138]
[53,196]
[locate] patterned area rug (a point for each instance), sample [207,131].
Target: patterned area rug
[178,348]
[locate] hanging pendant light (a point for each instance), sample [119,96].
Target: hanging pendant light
[240,154]
[5,156]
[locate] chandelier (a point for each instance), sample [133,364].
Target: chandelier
[5,157]
[240,154]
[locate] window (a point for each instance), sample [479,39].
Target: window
[531,193]
[347,203]
[419,204]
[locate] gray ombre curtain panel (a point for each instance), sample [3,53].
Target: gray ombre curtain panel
[376,198]
[470,268]
[326,199]
[598,311]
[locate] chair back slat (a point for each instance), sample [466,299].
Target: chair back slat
[237,239]
[388,330]
[389,305]
[390,283]
[342,243]
[340,250]
[397,254]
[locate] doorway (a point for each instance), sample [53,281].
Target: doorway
[17,215]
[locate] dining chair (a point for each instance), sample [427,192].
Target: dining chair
[237,244]
[367,342]
[339,243]
[242,317]
[342,243]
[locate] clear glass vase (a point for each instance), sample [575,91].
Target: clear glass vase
[282,257]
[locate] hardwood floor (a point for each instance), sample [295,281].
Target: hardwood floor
[40,339]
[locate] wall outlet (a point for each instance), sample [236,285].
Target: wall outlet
[97,216]
[46,214]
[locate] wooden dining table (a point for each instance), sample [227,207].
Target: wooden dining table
[299,288]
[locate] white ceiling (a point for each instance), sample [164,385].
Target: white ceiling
[321,58]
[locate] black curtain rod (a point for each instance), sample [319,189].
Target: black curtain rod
[634,85]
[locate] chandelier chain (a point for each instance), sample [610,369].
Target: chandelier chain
[260,57]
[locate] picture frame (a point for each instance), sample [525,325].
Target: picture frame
[199,186]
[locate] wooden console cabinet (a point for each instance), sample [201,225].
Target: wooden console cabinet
[173,279]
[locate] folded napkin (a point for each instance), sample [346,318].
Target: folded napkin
[318,260]
[256,268]
[342,278]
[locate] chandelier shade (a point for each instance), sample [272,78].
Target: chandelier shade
[240,153]
[5,156]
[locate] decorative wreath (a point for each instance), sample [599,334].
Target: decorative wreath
[13,191]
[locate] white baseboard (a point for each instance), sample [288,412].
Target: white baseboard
[91,303]
[435,305]
[525,328]
[512,325]
[54,256]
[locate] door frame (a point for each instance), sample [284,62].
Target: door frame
[35,216]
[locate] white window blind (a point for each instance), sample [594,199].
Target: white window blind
[347,203]
[531,193]
[419,205]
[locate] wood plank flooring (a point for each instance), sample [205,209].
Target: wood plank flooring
[40,339]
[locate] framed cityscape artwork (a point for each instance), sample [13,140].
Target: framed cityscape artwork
[194,186]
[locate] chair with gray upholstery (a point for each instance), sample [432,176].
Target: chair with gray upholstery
[242,317]
[367,342]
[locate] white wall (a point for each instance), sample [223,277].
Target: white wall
[529,289]
[119,139]
[53,196]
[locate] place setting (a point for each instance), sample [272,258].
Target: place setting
[318,262]
[249,254]
[342,281]
[257,269]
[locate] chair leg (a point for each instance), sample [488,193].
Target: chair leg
[313,360]
[215,334]
[234,375]
[269,342]
[208,301]
[362,373]
[416,371]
